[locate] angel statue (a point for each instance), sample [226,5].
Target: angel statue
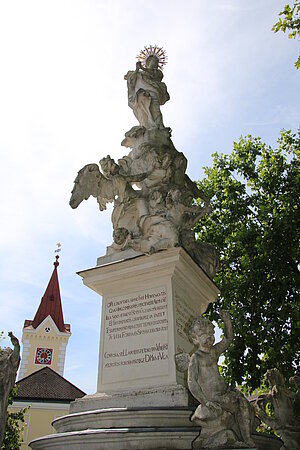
[224,414]
[107,187]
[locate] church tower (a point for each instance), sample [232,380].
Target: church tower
[45,338]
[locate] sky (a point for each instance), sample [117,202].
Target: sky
[63,104]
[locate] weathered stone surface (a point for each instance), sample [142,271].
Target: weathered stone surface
[119,439]
[9,363]
[225,415]
[118,256]
[125,418]
[283,400]
[146,92]
[153,198]
[147,303]
[172,396]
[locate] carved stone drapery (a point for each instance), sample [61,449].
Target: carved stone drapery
[153,197]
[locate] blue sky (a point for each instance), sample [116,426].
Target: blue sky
[63,104]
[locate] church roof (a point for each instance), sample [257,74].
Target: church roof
[46,384]
[50,305]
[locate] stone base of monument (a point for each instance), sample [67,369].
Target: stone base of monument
[148,302]
[142,400]
[173,396]
[131,439]
[122,429]
[132,429]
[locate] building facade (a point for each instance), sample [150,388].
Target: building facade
[41,384]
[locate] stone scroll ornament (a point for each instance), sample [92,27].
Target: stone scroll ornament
[9,363]
[224,414]
[153,198]
[282,416]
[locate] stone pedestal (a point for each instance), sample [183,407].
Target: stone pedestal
[142,401]
[147,304]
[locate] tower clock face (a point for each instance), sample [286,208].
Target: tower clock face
[43,355]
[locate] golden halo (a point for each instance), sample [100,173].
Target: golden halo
[156,51]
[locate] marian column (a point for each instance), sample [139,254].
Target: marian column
[154,279]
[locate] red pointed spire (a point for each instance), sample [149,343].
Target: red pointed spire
[51,303]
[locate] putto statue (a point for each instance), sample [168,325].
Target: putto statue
[153,198]
[9,363]
[283,400]
[224,414]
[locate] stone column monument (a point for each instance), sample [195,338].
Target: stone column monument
[153,280]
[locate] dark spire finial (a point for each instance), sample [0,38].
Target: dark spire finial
[56,263]
[58,249]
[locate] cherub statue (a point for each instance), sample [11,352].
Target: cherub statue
[9,363]
[283,400]
[224,414]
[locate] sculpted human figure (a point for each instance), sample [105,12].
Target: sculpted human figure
[9,363]
[122,239]
[283,400]
[181,209]
[157,233]
[163,167]
[225,415]
[146,92]
[152,196]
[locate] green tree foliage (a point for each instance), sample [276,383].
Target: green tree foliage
[290,21]
[255,225]
[14,428]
